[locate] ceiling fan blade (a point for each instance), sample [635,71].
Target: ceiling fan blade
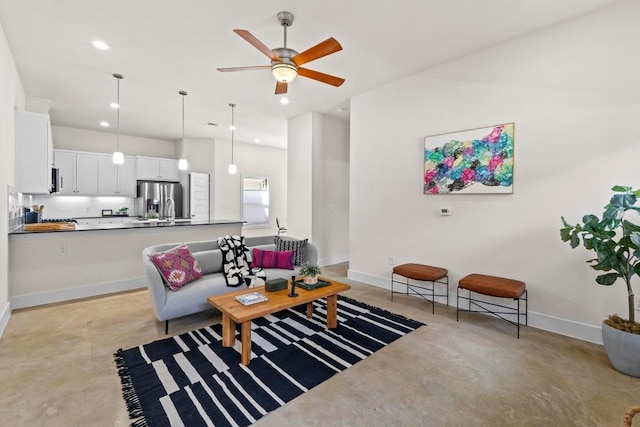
[321,77]
[255,67]
[324,48]
[281,88]
[257,44]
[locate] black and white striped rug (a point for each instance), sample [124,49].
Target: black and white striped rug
[191,380]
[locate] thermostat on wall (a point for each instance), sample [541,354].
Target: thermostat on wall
[445,211]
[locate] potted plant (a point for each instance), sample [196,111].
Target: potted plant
[310,273]
[616,243]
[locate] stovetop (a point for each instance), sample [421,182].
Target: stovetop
[59,220]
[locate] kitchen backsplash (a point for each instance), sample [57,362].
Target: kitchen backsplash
[16,203]
[80,206]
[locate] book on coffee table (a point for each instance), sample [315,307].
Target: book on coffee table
[251,298]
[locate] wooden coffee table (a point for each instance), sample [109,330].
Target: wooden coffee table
[234,312]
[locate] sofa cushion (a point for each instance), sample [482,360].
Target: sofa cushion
[273,259]
[177,266]
[210,261]
[290,244]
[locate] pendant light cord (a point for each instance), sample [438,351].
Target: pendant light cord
[118,78]
[233,127]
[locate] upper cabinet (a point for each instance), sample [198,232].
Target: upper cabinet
[157,169]
[78,172]
[34,153]
[116,180]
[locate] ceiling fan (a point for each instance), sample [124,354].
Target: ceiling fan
[286,63]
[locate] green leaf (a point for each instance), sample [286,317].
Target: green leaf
[621,189]
[607,279]
[590,220]
[575,240]
[613,214]
[635,238]
[565,234]
[623,200]
[636,269]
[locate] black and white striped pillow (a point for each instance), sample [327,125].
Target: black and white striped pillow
[292,245]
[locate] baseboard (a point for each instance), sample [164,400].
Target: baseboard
[4,318]
[333,260]
[32,300]
[558,325]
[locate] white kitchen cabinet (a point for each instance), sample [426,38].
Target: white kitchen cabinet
[157,169]
[116,180]
[87,221]
[78,172]
[33,153]
[110,220]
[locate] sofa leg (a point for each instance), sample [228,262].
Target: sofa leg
[166,327]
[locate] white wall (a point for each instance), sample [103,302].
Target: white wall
[12,98]
[252,160]
[331,189]
[318,164]
[576,135]
[299,217]
[103,142]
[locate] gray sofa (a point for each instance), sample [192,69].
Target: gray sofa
[192,298]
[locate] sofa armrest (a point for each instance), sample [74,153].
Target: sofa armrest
[311,253]
[155,284]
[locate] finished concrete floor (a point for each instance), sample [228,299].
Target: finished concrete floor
[58,370]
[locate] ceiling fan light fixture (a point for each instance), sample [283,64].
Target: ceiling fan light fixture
[284,72]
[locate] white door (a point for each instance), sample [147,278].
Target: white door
[199,195]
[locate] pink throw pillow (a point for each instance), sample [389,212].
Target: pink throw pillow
[177,266]
[273,259]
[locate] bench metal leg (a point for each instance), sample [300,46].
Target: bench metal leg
[483,307]
[166,327]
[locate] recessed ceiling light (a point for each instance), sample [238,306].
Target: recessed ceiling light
[99,44]
[256,140]
[284,101]
[232,127]
[104,124]
[114,105]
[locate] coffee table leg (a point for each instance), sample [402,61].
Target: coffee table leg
[309,310]
[246,342]
[332,311]
[228,331]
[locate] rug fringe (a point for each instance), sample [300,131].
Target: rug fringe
[128,393]
[352,301]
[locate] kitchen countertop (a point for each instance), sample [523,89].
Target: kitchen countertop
[135,225]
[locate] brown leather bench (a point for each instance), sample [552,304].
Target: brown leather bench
[421,273]
[493,286]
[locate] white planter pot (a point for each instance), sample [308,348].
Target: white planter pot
[310,280]
[623,349]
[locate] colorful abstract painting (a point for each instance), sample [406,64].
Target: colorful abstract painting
[476,161]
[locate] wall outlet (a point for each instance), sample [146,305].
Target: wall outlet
[392,260]
[64,249]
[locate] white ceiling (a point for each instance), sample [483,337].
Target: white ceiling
[164,46]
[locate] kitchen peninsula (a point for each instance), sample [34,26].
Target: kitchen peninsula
[47,267]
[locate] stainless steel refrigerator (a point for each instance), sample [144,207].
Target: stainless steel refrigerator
[159,199]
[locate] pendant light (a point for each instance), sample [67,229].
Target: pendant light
[118,156]
[183,165]
[232,166]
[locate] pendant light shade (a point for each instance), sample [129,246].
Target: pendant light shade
[232,166]
[183,165]
[118,156]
